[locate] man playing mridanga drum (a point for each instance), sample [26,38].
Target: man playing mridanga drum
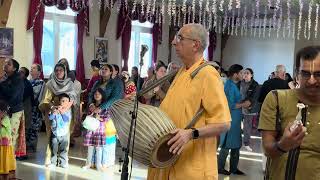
[197,146]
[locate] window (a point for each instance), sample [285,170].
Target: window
[206,54]
[140,35]
[59,38]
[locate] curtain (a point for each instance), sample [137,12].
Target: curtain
[212,44]
[35,21]
[80,61]
[124,29]
[125,46]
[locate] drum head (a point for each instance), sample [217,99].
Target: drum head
[161,157]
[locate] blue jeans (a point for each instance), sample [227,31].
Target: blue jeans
[109,152]
[94,155]
[234,159]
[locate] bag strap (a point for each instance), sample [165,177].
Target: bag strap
[278,115]
[293,156]
[201,110]
[278,130]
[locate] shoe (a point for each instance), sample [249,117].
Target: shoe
[64,166]
[51,166]
[22,158]
[100,168]
[224,172]
[238,172]
[87,166]
[248,148]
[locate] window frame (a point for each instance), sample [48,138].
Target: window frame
[57,19]
[137,28]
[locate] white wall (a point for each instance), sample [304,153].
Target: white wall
[23,43]
[262,55]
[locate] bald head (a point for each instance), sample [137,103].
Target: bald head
[280,71]
[197,32]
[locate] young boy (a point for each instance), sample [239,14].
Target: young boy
[59,140]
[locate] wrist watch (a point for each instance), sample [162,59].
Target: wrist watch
[195,133]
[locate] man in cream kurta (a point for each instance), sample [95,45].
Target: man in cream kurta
[198,158]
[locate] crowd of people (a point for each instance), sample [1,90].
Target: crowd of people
[229,99]
[56,103]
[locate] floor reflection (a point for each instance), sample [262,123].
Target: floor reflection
[33,168]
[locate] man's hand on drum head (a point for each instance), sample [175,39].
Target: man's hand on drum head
[182,137]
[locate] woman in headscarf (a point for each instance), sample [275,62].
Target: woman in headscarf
[11,91]
[59,84]
[156,96]
[70,74]
[36,122]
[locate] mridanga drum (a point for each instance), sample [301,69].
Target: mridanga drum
[153,128]
[152,133]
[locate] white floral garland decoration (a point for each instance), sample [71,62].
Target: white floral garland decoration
[214,12]
[207,24]
[265,21]
[232,21]
[238,4]
[170,11]
[252,20]
[174,12]
[201,12]
[300,19]
[289,17]
[230,5]
[193,10]
[184,11]
[305,29]
[309,19]
[237,21]
[221,5]
[279,21]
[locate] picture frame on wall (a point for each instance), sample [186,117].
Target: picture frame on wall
[101,49]
[6,42]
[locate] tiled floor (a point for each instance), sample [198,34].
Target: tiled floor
[33,168]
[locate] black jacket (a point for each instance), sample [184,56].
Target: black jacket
[252,95]
[11,91]
[272,84]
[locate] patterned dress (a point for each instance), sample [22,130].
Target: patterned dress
[32,134]
[97,138]
[130,90]
[7,159]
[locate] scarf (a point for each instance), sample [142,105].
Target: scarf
[60,86]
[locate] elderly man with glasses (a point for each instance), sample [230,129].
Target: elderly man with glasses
[196,146]
[290,123]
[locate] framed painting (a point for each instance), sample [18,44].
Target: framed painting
[6,42]
[101,49]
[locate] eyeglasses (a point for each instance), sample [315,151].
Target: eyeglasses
[180,38]
[59,70]
[307,75]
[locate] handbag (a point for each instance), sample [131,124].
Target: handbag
[91,123]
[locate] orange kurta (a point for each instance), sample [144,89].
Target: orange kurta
[198,159]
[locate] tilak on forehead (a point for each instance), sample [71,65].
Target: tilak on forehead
[312,66]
